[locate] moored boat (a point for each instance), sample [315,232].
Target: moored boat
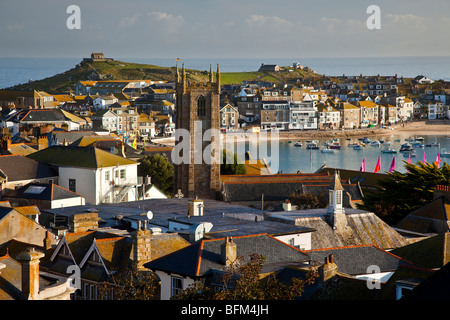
[406,147]
[298,144]
[389,150]
[433,144]
[444,153]
[327,150]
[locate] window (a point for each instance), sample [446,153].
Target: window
[122,173]
[107,175]
[338,197]
[177,285]
[201,106]
[73,185]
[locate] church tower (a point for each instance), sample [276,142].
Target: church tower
[197,111]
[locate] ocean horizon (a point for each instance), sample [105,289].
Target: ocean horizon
[19,70]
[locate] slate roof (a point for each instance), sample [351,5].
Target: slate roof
[429,253]
[363,228]
[85,157]
[41,115]
[279,187]
[18,168]
[41,191]
[198,259]
[433,218]
[356,260]
[70,136]
[434,287]
[365,179]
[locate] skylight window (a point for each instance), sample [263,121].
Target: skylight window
[35,189]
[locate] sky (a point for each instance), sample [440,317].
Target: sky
[224,29]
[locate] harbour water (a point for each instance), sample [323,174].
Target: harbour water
[292,158]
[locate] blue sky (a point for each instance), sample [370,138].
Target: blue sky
[222,29]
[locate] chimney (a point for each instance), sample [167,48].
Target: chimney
[141,247]
[228,251]
[329,268]
[29,260]
[82,222]
[195,207]
[287,205]
[6,142]
[47,241]
[42,143]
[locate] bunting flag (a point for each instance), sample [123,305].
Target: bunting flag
[363,165]
[438,160]
[392,168]
[134,143]
[378,166]
[424,157]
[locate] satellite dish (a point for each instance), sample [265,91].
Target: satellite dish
[149,215]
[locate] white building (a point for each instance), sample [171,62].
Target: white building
[103,102]
[99,176]
[303,116]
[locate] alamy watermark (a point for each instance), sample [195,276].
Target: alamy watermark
[74,20]
[374,20]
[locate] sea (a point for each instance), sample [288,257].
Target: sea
[291,159]
[15,70]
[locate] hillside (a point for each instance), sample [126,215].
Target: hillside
[118,70]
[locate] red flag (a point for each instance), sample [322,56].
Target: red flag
[392,168]
[363,165]
[378,166]
[409,158]
[438,160]
[424,157]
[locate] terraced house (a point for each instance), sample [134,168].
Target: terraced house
[99,176]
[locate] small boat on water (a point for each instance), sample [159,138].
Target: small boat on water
[312,145]
[406,147]
[367,140]
[327,150]
[389,150]
[298,144]
[351,145]
[334,145]
[375,143]
[418,145]
[444,153]
[358,147]
[433,144]
[419,139]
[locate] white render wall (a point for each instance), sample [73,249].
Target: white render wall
[85,182]
[70,202]
[298,240]
[93,186]
[166,283]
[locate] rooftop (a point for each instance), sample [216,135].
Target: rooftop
[85,157]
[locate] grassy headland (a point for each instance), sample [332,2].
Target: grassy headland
[119,70]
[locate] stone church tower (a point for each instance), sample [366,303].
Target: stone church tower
[197,111]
